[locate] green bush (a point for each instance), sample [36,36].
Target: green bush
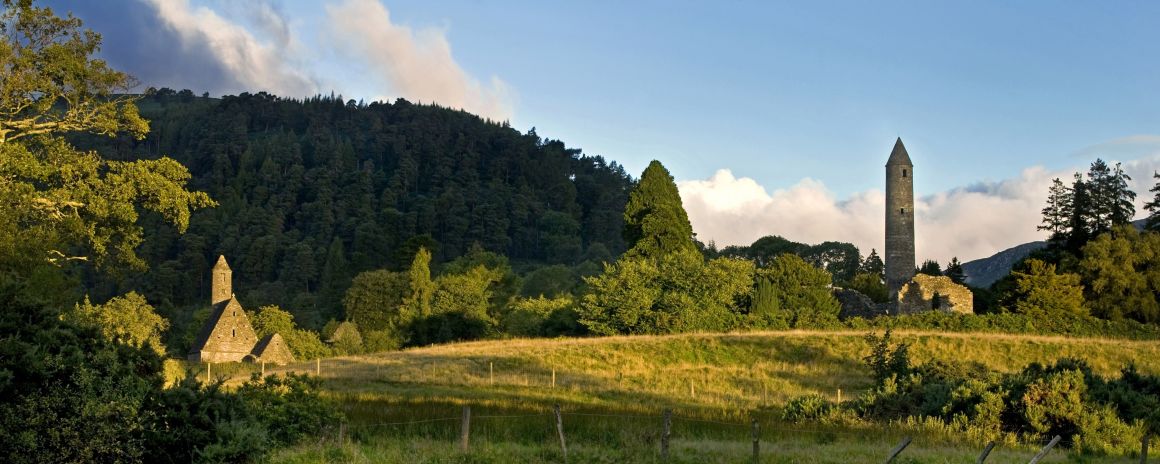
[806,408]
[1093,414]
[68,393]
[200,422]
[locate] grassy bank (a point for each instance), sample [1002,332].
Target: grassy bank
[405,406]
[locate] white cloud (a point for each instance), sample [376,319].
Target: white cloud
[968,222]
[251,47]
[250,62]
[414,63]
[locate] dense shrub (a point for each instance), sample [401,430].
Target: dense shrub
[1092,414]
[1058,324]
[70,394]
[197,422]
[67,393]
[806,408]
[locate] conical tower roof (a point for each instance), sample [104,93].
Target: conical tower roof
[898,156]
[221,262]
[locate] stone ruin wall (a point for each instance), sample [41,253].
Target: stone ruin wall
[918,296]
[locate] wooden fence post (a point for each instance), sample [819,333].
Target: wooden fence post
[560,430]
[263,368]
[553,377]
[692,390]
[1144,448]
[491,372]
[665,435]
[898,449]
[986,452]
[318,367]
[756,442]
[1045,449]
[839,396]
[208,367]
[465,429]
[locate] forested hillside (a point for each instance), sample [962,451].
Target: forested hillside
[314,192]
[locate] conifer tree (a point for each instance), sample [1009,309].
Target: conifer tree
[1057,213]
[1080,222]
[929,267]
[955,271]
[655,222]
[1111,200]
[873,264]
[1153,207]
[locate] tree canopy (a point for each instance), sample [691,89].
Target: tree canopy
[63,204]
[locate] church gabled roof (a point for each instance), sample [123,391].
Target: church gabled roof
[898,156]
[273,349]
[227,317]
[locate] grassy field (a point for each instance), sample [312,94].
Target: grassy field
[405,406]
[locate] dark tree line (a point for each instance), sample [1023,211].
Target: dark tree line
[314,192]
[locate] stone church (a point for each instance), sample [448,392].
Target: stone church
[227,335]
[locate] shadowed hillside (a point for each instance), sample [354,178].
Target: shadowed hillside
[313,192]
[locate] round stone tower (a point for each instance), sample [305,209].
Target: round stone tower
[221,288]
[899,219]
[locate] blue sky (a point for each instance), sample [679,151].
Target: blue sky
[991,98]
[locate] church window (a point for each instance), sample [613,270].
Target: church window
[903,173]
[234,332]
[901,210]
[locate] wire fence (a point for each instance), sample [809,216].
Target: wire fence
[756,432]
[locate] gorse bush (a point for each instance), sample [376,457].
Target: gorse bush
[1093,414]
[196,422]
[806,408]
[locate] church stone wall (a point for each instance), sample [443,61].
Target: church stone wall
[919,295]
[231,338]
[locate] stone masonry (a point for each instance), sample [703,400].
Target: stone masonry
[899,219]
[939,293]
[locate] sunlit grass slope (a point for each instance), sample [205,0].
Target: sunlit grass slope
[727,378]
[707,371]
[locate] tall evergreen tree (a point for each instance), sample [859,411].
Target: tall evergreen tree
[1057,213]
[1153,207]
[1080,223]
[873,264]
[1111,200]
[955,271]
[655,222]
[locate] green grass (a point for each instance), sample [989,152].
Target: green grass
[605,385]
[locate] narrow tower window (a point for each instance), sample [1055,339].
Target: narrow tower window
[233,332]
[903,173]
[901,210]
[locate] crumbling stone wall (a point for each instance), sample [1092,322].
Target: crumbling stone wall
[856,304]
[931,293]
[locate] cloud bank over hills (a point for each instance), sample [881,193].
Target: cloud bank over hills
[255,46]
[969,222]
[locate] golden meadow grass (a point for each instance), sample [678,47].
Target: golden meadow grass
[728,378]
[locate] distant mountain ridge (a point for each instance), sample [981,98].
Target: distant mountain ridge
[985,271]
